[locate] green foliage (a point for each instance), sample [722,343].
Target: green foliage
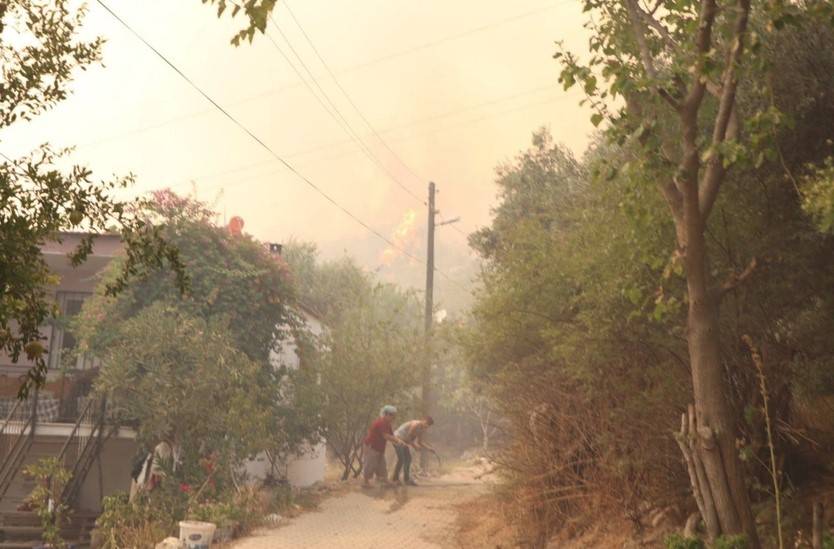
[677,541]
[50,479]
[578,328]
[240,510]
[818,196]
[232,280]
[166,371]
[40,195]
[369,354]
[154,515]
[141,523]
[371,359]
[731,542]
[463,412]
[256,11]
[566,336]
[170,358]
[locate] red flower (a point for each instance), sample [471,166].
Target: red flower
[185,488]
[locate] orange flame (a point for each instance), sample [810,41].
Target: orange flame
[404,235]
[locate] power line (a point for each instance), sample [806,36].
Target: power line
[464,123]
[309,150]
[457,36]
[339,117]
[324,63]
[351,101]
[348,97]
[260,142]
[353,68]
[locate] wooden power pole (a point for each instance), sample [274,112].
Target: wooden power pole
[429,396]
[429,316]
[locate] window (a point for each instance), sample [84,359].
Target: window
[69,305]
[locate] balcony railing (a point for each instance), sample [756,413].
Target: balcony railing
[61,400]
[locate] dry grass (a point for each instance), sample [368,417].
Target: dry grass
[482,523]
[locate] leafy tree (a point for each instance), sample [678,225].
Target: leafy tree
[368,354]
[569,340]
[232,279]
[228,330]
[39,197]
[182,379]
[578,337]
[679,69]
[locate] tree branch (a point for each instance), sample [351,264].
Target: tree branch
[713,88]
[637,17]
[686,179]
[715,170]
[703,42]
[674,198]
[663,32]
[736,279]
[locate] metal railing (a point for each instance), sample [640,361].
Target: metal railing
[16,437]
[88,445]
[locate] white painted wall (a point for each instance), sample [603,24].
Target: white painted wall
[307,467]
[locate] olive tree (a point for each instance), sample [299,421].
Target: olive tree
[667,77]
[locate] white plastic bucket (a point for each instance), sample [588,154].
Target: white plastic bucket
[196,535]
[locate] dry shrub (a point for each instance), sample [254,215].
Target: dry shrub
[583,452]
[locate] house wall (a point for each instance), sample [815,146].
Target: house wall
[116,460]
[81,279]
[307,467]
[109,475]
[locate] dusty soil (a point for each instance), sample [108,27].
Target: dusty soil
[421,517]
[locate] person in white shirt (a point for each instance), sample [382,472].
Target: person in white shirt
[411,433]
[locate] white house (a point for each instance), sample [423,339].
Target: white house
[308,466]
[57,419]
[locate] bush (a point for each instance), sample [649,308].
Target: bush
[50,479]
[731,542]
[138,524]
[677,541]
[242,511]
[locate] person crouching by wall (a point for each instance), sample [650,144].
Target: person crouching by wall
[379,433]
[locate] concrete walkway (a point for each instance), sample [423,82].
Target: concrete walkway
[420,517]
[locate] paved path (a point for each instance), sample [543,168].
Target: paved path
[420,517]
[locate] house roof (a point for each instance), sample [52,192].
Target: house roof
[309,310]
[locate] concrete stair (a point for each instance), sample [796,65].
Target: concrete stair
[22,530]
[21,487]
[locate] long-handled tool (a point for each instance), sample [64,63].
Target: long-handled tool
[436,455]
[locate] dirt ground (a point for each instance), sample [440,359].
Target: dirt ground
[427,516]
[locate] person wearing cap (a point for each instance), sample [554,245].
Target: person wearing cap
[379,433]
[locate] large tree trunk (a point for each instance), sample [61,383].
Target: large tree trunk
[715,470]
[708,430]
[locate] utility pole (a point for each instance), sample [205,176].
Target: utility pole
[428,395]
[429,316]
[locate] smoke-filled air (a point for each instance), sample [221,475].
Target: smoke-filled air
[438,275]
